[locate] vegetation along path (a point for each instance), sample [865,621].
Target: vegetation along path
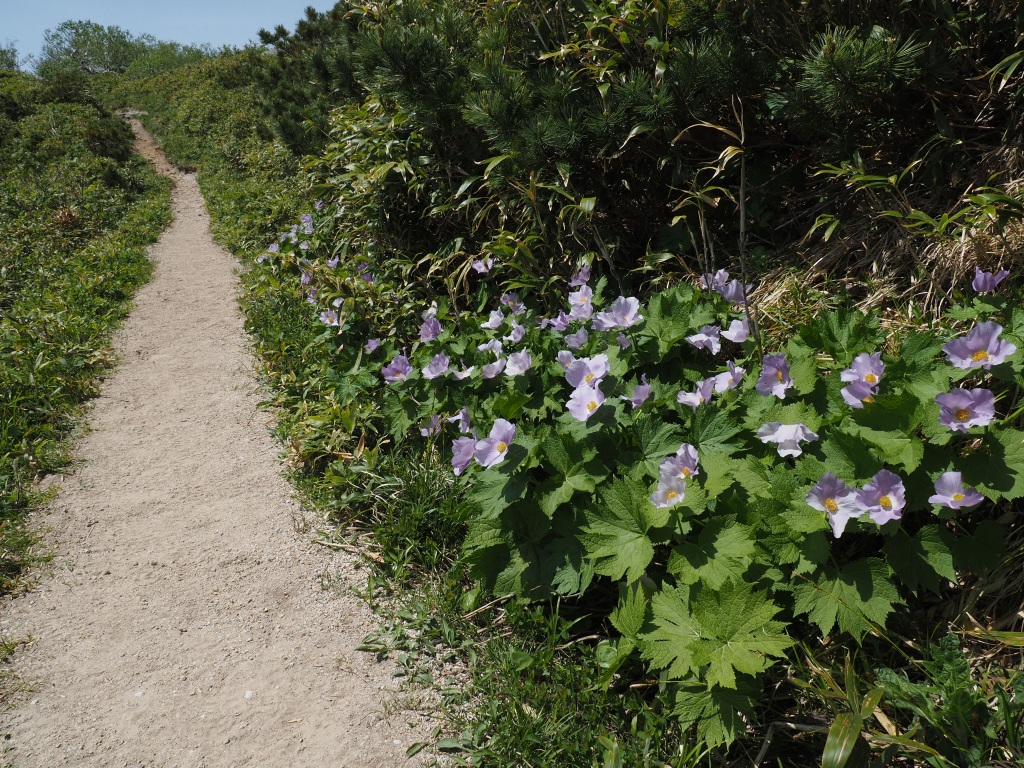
[185,622]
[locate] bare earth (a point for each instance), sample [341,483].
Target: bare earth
[185,621]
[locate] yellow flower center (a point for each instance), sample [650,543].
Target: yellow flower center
[670,495]
[868,399]
[592,405]
[958,497]
[588,377]
[685,472]
[885,503]
[502,447]
[871,378]
[831,505]
[778,375]
[962,414]
[583,299]
[979,356]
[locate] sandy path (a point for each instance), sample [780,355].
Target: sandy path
[185,622]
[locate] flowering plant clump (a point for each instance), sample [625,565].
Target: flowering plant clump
[742,499]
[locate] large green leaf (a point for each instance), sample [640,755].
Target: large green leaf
[720,714]
[857,597]
[723,550]
[616,536]
[922,560]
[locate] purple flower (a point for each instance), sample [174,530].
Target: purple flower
[329,316]
[493,369]
[682,466]
[951,492]
[728,379]
[565,358]
[986,282]
[559,323]
[716,281]
[734,291]
[483,266]
[577,340]
[883,497]
[397,370]
[518,363]
[787,436]
[492,449]
[368,278]
[623,314]
[865,368]
[640,394]
[584,401]
[437,367]
[333,262]
[462,417]
[432,428]
[670,492]
[774,378]
[580,278]
[980,348]
[739,330]
[496,318]
[311,299]
[274,247]
[580,306]
[307,277]
[701,395]
[587,371]
[961,409]
[493,345]
[511,300]
[463,450]
[837,500]
[372,344]
[464,373]
[623,340]
[858,393]
[304,245]
[708,338]
[517,334]
[318,205]
[430,330]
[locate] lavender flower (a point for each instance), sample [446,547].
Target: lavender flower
[858,393]
[774,378]
[517,334]
[319,205]
[986,282]
[640,394]
[623,340]
[437,367]
[577,340]
[584,401]
[274,247]
[511,300]
[329,317]
[587,371]
[883,497]
[714,282]
[739,330]
[432,428]
[430,330]
[559,323]
[728,379]
[951,492]
[496,318]
[708,338]
[518,363]
[701,395]
[372,344]
[493,369]
[865,368]
[682,466]
[980,348]
[580,278]
[670,492]
[837,500]
[463,450]
[397,370]
[311,299]
[734,292]
[961,409]
[483,266]
[493,345]
[465,373]
[580,306]
[334,261]
[307,277]
[462,417]
[492,449]
[787,436]
[565,358]
[623,314]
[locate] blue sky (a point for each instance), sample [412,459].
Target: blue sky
[220,22]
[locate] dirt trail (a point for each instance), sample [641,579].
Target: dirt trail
[185,621]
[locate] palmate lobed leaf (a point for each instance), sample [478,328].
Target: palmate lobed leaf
[616,535]
[857,597]
[718,634]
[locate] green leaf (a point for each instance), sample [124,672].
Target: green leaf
[842,739]
[723,550]
[509,405]
[922,560]
[713,428]
[657,439]
[574,470]
[616,534]
[720,714]
[492,492]
[893,447]
[631,612]
[718,467]
[982,551]
[729,630]
[857,597]
[997,468]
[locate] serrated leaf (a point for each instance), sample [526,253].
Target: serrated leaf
[723,550]
[720,714]
[657,439]
[893,447]
[923,559]
[713,429]
[997,468]
[857,597]
[493,492]
[729,630]
[981,551]
[616,537]
[718,467]
[575,470]
[631,612]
